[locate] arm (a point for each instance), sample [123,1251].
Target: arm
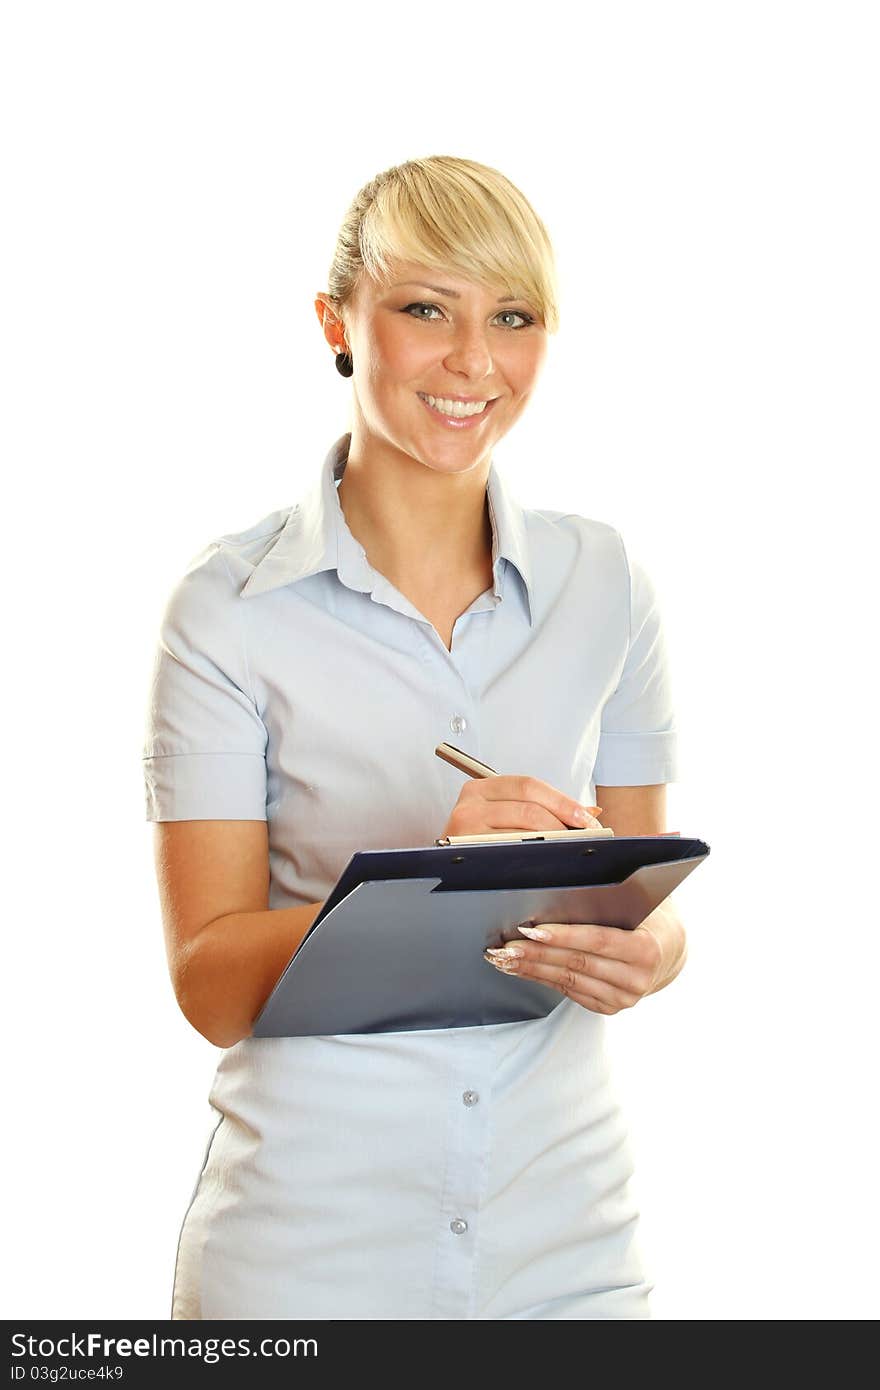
[205,772]
[226,950]
[603,968]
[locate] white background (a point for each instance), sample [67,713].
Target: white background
[174,177]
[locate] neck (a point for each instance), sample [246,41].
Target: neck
[422,528]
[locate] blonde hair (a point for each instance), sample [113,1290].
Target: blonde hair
[448,214]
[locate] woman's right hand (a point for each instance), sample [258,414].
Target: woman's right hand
[490,805]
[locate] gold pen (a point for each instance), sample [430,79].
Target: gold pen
[463,761]
[474,768]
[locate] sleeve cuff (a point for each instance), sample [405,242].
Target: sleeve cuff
[636,760]
[205,786]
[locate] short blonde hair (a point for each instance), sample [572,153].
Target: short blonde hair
[448,214]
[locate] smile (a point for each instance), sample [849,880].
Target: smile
[456,413]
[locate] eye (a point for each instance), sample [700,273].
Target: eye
[519,314]
[419,306]
[527,319]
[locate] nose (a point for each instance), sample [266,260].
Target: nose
[469,354]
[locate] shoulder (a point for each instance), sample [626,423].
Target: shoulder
[214,575]
[584,530]
[601,543]
[252,543]
[594,545]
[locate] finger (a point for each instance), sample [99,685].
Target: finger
[602,998]
[595,995]
[535,804]
[623,975]
[614,943]
[610,981]
[596,1006]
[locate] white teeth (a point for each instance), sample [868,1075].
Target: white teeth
[446,407]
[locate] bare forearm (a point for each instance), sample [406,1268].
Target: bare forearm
[234,964]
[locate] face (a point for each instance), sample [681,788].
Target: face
[454,340]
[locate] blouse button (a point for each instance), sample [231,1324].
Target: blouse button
[470,1097]
[458,1226]
[458,723]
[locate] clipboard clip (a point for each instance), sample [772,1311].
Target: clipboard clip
[513,837]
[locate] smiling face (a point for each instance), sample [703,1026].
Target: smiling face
[451,341]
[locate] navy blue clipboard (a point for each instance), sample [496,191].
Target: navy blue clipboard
[399,942]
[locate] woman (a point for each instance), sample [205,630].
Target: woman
[306,671]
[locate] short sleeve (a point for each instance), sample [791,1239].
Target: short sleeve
[638,742]
[204,753]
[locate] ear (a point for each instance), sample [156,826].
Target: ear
[334,329]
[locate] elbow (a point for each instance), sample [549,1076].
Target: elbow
[219,1032]
[212,1017]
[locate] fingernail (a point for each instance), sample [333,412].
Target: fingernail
[536,933]
[503,953]
[581,816]
[508,966]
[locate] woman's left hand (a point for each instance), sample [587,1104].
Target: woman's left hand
[604,969]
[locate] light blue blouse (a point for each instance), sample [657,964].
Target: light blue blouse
[450,1173]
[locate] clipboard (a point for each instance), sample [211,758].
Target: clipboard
[399,942]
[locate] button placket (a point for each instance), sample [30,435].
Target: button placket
[465,1174]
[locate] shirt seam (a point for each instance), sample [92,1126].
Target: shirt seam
[206,753]
[637,733]
[243,634]
[578,517]
[630,584]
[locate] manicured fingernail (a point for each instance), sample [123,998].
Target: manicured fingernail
[505,953]
[536,933]
[510,966]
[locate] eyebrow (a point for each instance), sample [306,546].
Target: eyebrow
[451,294]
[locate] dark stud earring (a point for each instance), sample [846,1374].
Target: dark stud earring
[344,364]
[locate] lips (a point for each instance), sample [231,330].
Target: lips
[471,420]
[458,409]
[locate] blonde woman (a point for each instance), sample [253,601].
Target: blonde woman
[307,667]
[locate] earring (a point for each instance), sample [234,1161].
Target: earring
[344,364]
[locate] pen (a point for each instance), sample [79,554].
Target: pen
[474,768]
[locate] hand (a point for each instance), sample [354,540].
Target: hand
[604,969]
[487,804]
